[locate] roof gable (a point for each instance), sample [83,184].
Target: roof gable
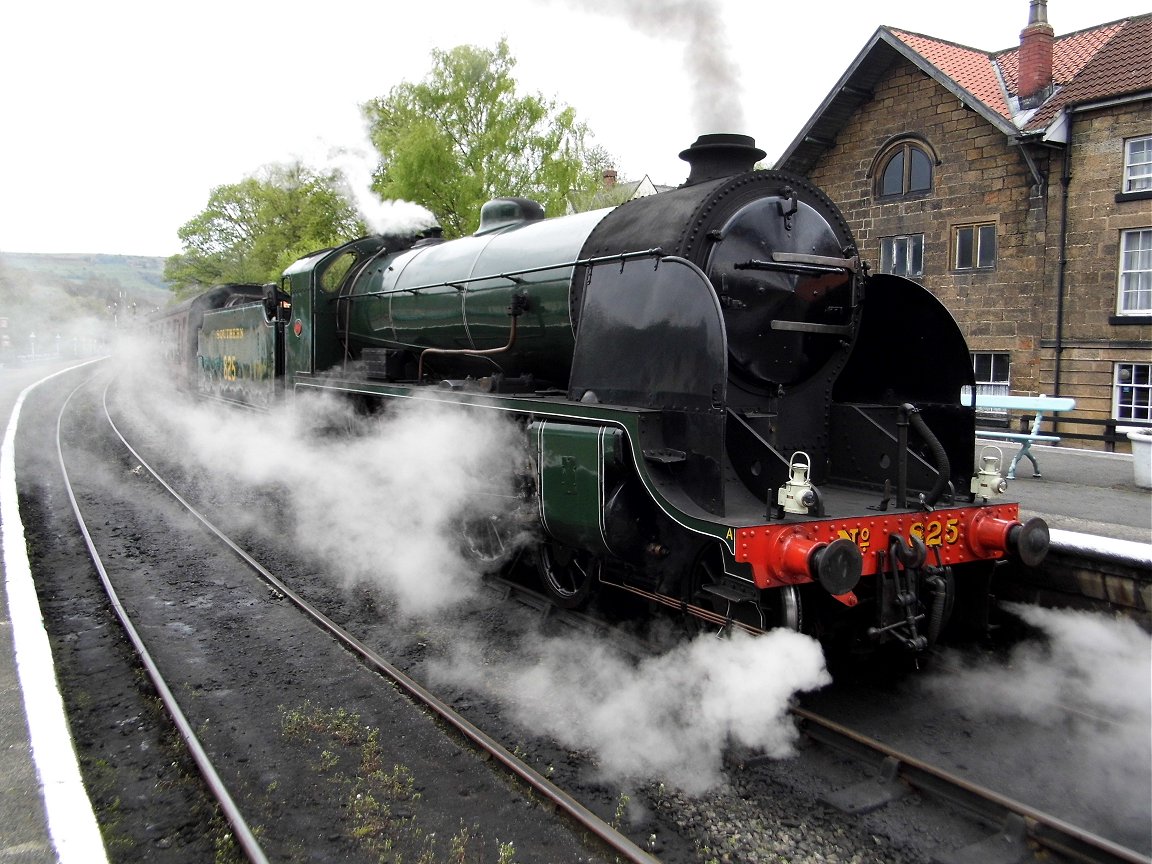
[1094,64]
[972,70]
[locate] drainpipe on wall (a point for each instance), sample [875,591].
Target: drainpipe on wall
[1062,266]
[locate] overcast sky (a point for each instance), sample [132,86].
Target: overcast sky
[119,117]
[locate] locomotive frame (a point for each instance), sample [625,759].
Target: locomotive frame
[722,410]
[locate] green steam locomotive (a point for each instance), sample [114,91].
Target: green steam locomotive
[722,410]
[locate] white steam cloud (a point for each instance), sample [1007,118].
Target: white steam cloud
[1089,678]
[699,27]
[667,717]
[383,505]
[380,501]
[356,163]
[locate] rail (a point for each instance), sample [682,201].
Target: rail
[1023,825]
[622,847]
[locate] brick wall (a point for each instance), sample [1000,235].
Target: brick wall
[983,177]
[980,177]
[1094,338]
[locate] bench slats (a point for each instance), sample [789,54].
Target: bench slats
[1025,403]
[1038,405]
[1015,436]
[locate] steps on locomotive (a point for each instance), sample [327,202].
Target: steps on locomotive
[726,592]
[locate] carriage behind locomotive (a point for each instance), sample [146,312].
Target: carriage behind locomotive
[722,410]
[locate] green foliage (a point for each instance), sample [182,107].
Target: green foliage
[250,231]
[463,136]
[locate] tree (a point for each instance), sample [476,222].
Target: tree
[462,136]
[251,230]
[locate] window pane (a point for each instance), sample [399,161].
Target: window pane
[963,248]
[920,177]
[1136,272]
[893,182]
[982,366]
[1000,367]
[1132,397]
[987,254]
[916,267]
[1138,165]
[900,256]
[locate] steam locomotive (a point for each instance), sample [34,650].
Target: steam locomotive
[723,411]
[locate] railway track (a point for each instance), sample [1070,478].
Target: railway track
[534,786]
[1023,829]
[1015,828]
[1018,831]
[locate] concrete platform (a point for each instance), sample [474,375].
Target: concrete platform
[1082,491]
[45,813]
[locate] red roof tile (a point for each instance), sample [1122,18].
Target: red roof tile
[1121,66]
[1089,64]
[971,69]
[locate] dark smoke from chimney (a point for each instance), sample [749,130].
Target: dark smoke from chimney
[697,26]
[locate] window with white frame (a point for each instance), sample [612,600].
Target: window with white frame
[1138,165]
[993,373]
[902,256]
[1132,391]
[1135,295]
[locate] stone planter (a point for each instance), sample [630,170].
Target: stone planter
[1142,457]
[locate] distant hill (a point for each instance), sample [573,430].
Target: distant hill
[140,278]
[49,300]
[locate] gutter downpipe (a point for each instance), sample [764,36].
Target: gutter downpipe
[1062,267]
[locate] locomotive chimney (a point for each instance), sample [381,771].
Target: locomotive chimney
[720,155]
[1035,81]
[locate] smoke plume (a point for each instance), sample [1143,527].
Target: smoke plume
[382,217]
[697,25]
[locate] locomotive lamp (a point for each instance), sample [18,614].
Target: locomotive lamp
[798,495]
[987,482]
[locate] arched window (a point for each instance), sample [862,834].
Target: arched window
[903,168]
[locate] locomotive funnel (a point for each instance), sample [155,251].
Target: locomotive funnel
[720,155]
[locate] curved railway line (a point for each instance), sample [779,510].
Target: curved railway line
[1017,826]
[612,841]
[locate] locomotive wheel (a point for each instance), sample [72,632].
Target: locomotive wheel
[568,575]
[776,607]
[486,541]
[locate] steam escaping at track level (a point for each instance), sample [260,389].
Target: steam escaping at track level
[1084,682]
[667,717]
[375,501]
[379,504]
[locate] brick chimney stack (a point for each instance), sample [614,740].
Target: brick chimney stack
[1035,84]
[609,178]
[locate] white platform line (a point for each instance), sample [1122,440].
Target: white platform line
[71,820]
